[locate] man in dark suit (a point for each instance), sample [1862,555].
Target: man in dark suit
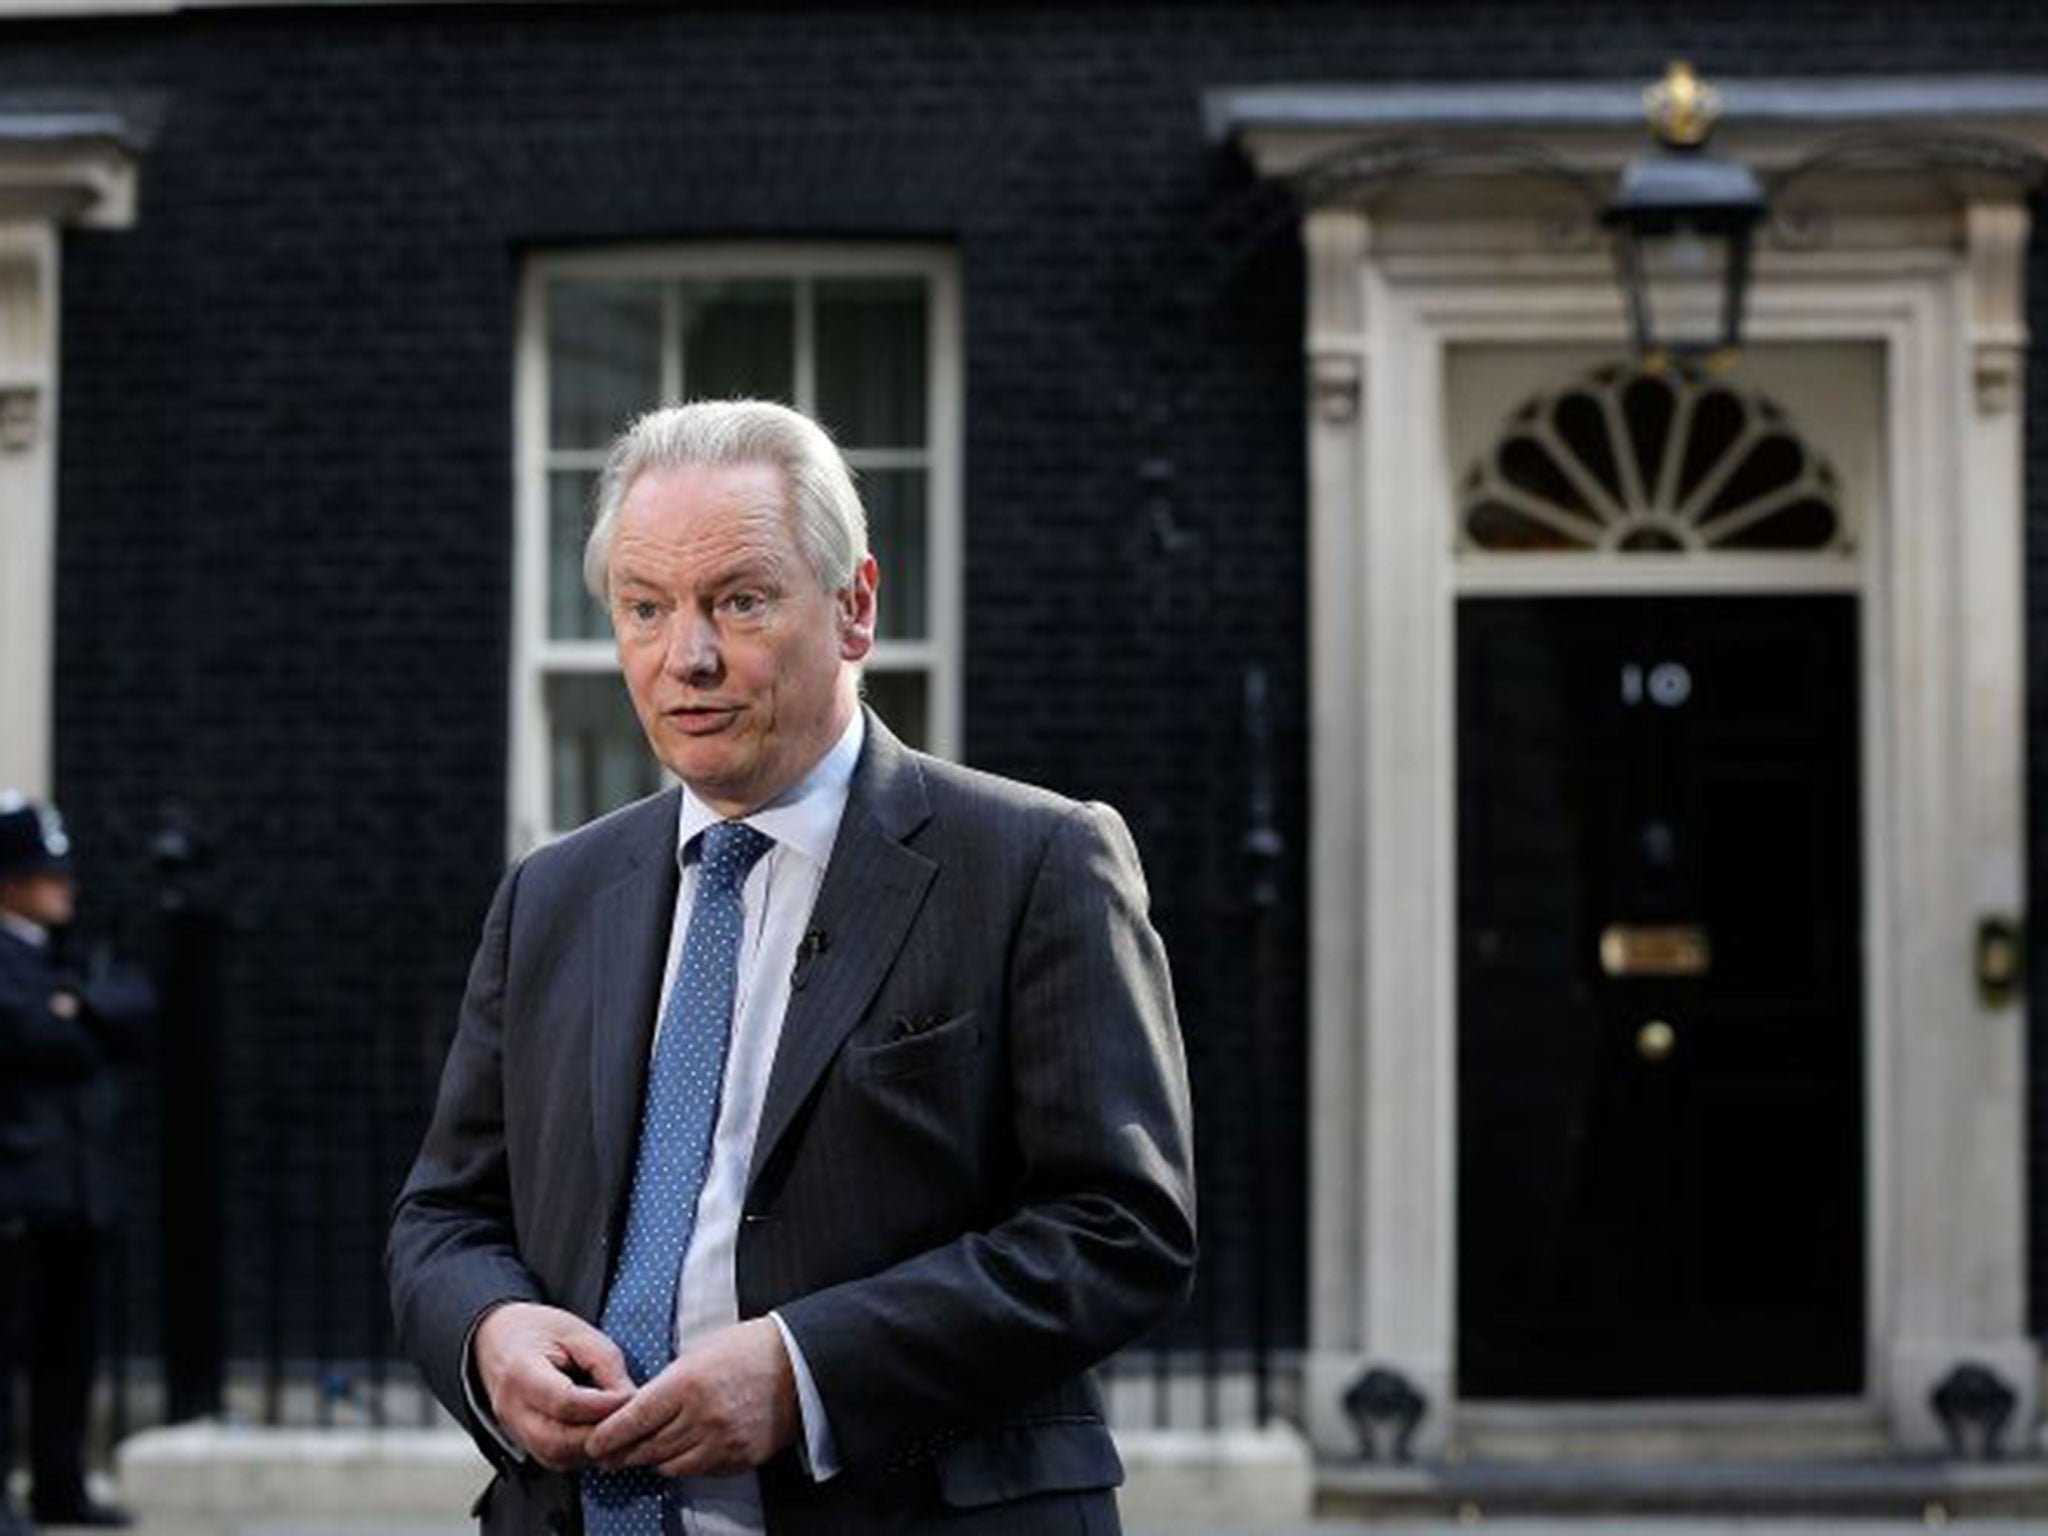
[855,1071]
[64,1020]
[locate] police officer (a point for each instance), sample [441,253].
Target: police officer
[63,1021]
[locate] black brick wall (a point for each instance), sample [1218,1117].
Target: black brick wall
[286,483]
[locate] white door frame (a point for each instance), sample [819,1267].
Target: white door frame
[55,169]
[1932,281]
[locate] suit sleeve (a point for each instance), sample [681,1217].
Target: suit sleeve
[1099,1246]
[453,1254]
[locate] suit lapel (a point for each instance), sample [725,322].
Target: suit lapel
[628,946]
[872,891]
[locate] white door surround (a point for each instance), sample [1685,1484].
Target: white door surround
[1921,273]
[55,169]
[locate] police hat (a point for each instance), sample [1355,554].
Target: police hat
[32,840]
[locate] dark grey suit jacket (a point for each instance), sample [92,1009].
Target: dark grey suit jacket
[972,1179]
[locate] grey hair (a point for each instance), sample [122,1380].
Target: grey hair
[831,526]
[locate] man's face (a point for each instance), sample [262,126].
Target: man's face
[44,899]
[740,665]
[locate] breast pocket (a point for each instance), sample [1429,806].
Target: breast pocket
[930,1049]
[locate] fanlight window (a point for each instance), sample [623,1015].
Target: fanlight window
[1667,463]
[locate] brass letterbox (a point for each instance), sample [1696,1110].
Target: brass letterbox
[1661,949]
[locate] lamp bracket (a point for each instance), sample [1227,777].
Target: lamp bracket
[1358,170]
[1800,222]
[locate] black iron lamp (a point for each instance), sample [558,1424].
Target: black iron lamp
[1683,222]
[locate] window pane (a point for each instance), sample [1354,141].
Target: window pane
[573,614]
[596,749]
[739,338]
[895,500]
[899,698]
[871,351]
[604,358]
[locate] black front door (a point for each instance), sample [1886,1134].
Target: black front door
[1659,1033]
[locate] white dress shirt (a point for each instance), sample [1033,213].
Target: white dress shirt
[777,897]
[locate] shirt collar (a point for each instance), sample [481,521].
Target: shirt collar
[35,935]
[805,816]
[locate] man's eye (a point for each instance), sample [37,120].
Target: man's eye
[642,610]
[744,604]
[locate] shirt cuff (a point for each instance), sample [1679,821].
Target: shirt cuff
[820,1452]
[479,1400]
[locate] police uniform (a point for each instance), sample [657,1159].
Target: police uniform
[62,1025]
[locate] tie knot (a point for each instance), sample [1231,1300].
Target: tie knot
[728,850]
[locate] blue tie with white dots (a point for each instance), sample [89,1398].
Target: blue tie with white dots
[676,1122]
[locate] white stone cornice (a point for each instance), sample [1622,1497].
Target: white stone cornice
[67,168]
[1813,104]
[1868,156]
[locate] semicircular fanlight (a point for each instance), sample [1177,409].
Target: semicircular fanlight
[1640,462]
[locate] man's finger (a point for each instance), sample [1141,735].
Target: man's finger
[556,1448]
[598,1358]
[545,1390]
[705,1455]
[585,1406]
[673,1441]
[618,1436]
[660,1403]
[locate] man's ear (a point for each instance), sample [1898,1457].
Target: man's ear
[856,604]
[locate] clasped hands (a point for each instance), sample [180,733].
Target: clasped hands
[560,1388]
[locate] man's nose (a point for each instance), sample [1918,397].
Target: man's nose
[693,646]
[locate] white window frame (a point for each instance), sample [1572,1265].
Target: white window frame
[536,655]
[57,170]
